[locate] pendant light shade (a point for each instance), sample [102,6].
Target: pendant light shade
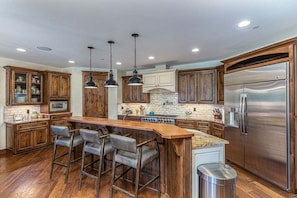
[110,82]
[135,79]
[90,83]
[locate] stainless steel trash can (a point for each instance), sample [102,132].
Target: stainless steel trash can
[216,180]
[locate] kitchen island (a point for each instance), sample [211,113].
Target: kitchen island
[175,150]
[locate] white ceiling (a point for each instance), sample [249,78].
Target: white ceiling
[168,30]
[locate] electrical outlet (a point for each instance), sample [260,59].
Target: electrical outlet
[194,109]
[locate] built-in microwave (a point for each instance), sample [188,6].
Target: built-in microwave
[56,106]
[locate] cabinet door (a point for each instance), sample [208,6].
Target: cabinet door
[133,94]
[41,136]
[54,80]
[95,101]
[126,93]
[36,88]
[207,86]
[24,140]
[19,90]
[64,86]
[187,87]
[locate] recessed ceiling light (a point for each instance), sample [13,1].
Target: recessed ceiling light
[118,63]
[195,50]
[21,49]
[44,48]
[71,61]
[151,57]
[244,23]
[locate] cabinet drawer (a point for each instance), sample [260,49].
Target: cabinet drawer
[32,125]
[188,124]
[217,126]
[58,117]
[218,133]
[204,124]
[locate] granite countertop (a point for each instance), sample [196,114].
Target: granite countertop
[11,121]
[201,139]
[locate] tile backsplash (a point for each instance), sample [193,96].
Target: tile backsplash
[167,103]
[10,111]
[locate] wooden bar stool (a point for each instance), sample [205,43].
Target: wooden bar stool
[64,138]
[95,143]
[135,157]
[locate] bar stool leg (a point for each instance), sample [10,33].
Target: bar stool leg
[112,175]
[68,164]
[53,159]
[81,169]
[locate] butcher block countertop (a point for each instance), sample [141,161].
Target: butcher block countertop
[165,131]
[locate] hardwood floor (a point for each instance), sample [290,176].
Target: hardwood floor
[27,176]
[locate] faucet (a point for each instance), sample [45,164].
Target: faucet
[127,112]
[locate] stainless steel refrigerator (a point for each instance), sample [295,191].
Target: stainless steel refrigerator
[257,121]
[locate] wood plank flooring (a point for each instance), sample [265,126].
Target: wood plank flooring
[27,176]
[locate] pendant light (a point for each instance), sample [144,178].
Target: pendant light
[91,83]
[110,82]
[135,79]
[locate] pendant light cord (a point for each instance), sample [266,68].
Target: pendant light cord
[110,57]
[135,51]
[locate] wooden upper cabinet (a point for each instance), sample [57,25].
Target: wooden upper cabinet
[58,85]
[133,94]
[197,86]
[187,87]
[23,86]
[220,84]
[207,83]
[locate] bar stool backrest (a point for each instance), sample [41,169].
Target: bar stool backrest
[60,130]
[123,143]
[90,135]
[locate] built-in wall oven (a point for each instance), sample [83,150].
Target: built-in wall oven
[58,106]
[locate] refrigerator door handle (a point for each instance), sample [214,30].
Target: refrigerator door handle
[240,120]
[244,114]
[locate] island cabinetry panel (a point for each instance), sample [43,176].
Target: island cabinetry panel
[133,94]
[187,87]
[25,137]
[217,130]
[204,155]
[23,86]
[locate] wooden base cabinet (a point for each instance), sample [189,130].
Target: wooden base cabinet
[24,137]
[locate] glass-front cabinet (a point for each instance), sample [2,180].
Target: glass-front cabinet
[24,86]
